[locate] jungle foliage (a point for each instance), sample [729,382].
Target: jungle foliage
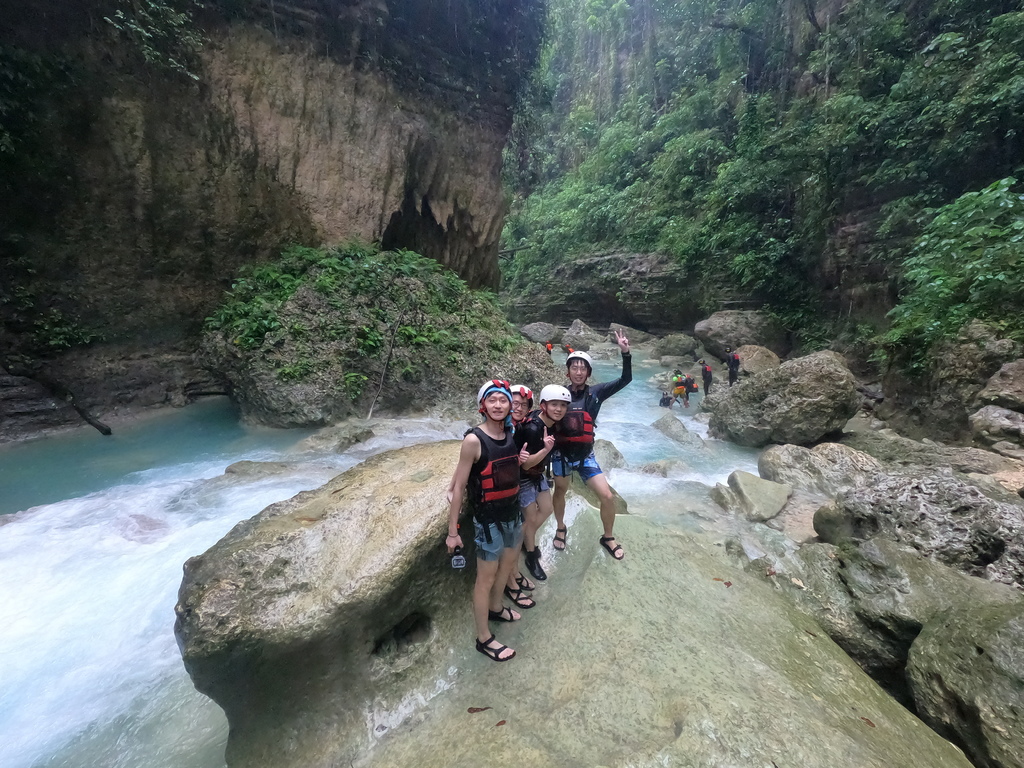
[736,134]
[353,313]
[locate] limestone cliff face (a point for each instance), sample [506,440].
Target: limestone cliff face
[316,121]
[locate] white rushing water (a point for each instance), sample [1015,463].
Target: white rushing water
[90,674]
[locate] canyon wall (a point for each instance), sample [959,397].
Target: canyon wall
[314,122]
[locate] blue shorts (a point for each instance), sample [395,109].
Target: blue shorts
[585,468]
[503,536]
[530,489]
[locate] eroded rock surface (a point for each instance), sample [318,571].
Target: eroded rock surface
[581,336]
[993,424]
[1006,387]
[754,359]
[827,468]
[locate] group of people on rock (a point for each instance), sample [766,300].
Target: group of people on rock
[683,385]
[503,474]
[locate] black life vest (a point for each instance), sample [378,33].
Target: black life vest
[534,442]
[575,436]
[494,479]
[690,385]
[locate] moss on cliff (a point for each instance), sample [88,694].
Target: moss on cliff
[309,338]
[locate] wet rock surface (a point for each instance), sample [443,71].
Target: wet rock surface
[1006,387]
[799,402]
[993,424]
[966,671]
[27,409]
[827,468]
[756,499]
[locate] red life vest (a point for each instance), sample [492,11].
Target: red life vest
[575,435]
[494,479]
[705,371]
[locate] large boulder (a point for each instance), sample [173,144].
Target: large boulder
[581,336]
[650,688]
[799,402]
[674,345]
[1006,387]
[542,333]
[754,359]
[966,671]
[332,631]
[827,468]
[607,455]
[936,513]
[735,328]
[634,335]
[992,424]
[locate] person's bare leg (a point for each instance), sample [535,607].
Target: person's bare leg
[506,566]
[486,571]
[558,505]
[529,541]
[599,485]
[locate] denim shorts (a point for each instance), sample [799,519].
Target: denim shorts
[503,536]
[585,468]
[530,489]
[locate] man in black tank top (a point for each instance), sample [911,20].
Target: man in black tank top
[488,470]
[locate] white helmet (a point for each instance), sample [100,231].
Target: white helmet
[523,391]
[495,385]
[555,392]
[580,356]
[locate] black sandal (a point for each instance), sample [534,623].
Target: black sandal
[493,653]
[524,583]
[560,539]
[502,615]
[612,550]
[521,600]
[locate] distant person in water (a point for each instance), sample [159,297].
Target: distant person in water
[687,386]
[568,350]
[705,374]
[574,442]
[488,473]
[733,361]
[536,441]
[666,400]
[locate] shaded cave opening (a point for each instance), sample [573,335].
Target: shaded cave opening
[412,630]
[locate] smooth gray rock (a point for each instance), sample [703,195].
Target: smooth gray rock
[674,429]
[874,598]
[674,345]
[735,328]
[799,402]
[1006,387]
[323,627]
[993,424]
[338,438]
[756,499]
[635,335]
[607,455]
[966,671]
[828,468]
[581,336]
[542,333]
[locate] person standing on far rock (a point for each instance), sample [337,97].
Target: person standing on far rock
[536,441]
[733,361]
[574,442]
[548,347]
[705,374]
[488,473]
